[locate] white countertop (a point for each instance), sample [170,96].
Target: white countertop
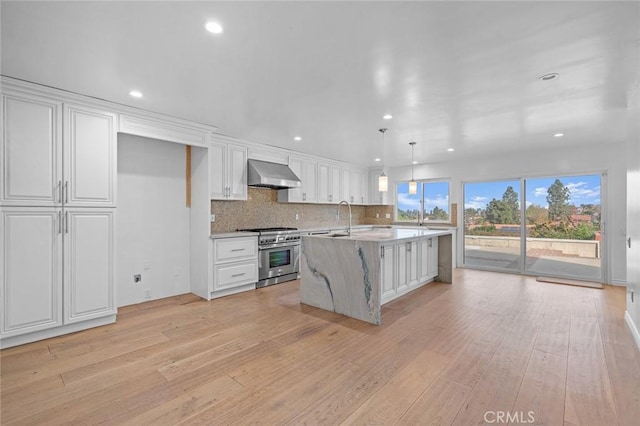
[233,234]
[386,234]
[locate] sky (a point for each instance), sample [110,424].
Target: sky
[584,190]
[437,195]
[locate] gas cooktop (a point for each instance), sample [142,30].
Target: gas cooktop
[267,229]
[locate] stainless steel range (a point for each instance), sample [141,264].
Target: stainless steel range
[278,255]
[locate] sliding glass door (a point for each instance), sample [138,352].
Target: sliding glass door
[537,226]
[564,218]
[492,225]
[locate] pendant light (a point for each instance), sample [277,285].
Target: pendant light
[383,180]
[413,185]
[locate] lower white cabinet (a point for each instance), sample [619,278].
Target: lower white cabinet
[428,254]
[235,265]
[57,271]
[406,265]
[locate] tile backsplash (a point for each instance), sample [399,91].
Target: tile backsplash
[262,210]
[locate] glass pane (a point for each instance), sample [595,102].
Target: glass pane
[408,205]
[492,225]
[436,201]
[563,227]
[278,258]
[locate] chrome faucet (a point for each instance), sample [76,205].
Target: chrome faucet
[338,214]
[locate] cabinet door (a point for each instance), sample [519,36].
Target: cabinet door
[217,170]
[309,181]
[31,151]
[295,194]
[388,272]
[90,144]
[88,264]
[346,186]
[412,264]
[334,185]
[237,172]
[31,270]
[433,257]
[357,187]
[403,275]
[324,183]
[424,250]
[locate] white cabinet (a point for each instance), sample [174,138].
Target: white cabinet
[388,272]
[407,265]
[428,259]
[228,165]
[36,145]
[235,265]
[88,274]
[57,192]
[354,186]
[58,268]
[328,183]
[306,170]
[32,270]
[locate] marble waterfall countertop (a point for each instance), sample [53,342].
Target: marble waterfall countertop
[343,274]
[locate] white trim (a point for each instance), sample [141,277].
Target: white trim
[632,328]
[620,283]
[7,342]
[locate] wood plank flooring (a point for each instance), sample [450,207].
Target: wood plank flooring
[445,354]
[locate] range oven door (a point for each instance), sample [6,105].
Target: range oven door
[278,259]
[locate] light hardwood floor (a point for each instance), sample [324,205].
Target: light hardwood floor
[446,354]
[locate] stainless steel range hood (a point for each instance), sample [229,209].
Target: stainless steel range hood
[271,175]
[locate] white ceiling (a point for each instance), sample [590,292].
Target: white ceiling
[460,75]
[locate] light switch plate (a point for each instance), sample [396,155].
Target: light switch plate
[213,218]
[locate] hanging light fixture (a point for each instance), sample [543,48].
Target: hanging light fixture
[383,180]
[413,185]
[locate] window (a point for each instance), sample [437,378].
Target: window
[429,204]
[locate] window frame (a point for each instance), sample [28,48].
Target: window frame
[421,219]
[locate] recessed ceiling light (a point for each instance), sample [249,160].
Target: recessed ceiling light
[550,76]
[387,116]
[377,159]
[558,135]
[297,138]
[450,149]
[135,94]
[214,27]
[414,162]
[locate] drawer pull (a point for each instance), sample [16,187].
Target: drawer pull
[238,275]
[238,249]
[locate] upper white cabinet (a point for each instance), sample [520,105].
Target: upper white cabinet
[228,168]
[328,183]
[306,170]
[55,153]
[354,186]
[31,150]
[89,151]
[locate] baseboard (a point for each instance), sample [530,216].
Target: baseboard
[632,328]
[569,282]
[620,283]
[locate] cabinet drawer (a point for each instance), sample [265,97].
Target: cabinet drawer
[235,274]
[232,249]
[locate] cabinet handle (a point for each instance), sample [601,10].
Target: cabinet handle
[238,275]
[59,222]
[66,222]
[239,249]
[66,192]
[629,242]
[382,252]
[59,191]
[304,196]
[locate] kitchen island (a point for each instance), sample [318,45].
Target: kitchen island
[356,274]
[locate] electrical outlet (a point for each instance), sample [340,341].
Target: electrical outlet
[387,215]
[377,215]
[137,278]
[213,218]
[297,216]
[147,293]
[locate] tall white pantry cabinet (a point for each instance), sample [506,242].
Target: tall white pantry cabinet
[57,202]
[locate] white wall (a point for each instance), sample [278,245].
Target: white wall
[152,229]
[568,161]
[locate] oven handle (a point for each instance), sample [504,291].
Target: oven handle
[279,245]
